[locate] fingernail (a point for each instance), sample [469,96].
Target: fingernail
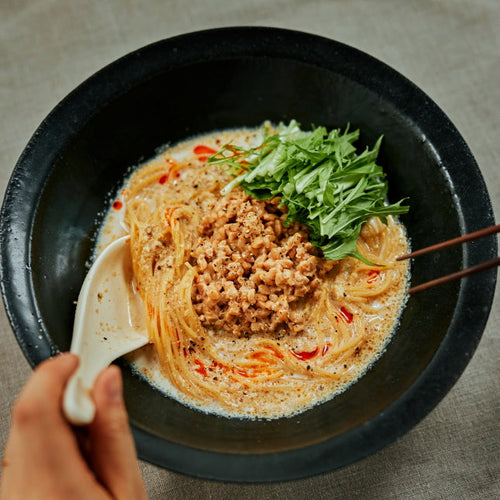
[114,386]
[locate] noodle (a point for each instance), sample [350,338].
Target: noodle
[348,318]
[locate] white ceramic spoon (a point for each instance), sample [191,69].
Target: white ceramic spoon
[109,322]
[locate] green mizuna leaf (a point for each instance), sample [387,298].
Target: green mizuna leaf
[321,179]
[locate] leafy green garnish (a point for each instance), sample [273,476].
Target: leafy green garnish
[320,178]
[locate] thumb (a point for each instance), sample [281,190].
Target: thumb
[112,450]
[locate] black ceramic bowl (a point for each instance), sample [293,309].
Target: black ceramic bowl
[240,77]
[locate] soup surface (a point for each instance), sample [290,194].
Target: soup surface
[245,316]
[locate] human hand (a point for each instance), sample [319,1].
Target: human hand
[45,457]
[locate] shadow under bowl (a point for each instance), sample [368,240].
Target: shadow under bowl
[234,77]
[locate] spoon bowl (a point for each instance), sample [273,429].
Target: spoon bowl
[109,322]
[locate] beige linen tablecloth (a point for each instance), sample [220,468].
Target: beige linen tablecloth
[450,48]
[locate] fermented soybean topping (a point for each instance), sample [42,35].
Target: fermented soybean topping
[252,270]
[290,329]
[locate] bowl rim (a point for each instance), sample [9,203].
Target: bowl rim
[449,360]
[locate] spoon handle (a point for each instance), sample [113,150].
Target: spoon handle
[78,405]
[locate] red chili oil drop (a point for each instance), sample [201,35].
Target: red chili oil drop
[274,351]
[117,205]
[201,368]
[346,315]
[305,355]
[203,150]
[163,179]
[259,356]
[241,372]
[373,276]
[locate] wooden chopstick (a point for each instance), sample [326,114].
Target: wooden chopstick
[459,274]
[455,276]
[455,241]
